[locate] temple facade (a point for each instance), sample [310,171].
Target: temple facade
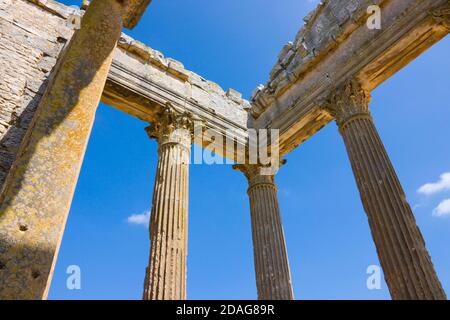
[57,63]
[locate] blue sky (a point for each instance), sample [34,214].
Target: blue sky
[235,44]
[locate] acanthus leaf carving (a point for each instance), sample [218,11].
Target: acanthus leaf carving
[442,16]
[347,102]
[172,126]
[254,174]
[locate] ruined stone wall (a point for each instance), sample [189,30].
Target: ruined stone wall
[31,39]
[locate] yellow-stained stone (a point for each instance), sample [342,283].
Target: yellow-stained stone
[165,277]
[39,190]
[407,265]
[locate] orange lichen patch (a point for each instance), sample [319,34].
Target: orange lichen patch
[39,190]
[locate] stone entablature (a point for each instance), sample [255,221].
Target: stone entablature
[342,47]
[134,13]
[141,81]
[149,64]
[442,16]
[325,28]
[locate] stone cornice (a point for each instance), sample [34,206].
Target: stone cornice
[373,56]
[177,70]
[130,90]
[55,8]
[140,83]
[442,16]
[136,9]
[141,80]
[325,29]
[348,102]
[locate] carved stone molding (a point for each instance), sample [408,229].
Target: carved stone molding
[172,127]
[348,102]
[253,172]
[442,16]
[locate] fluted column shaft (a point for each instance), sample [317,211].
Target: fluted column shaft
[273,277]
[166,274]
[407,266]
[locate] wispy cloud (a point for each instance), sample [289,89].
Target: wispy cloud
[443,209]
[141,219]
[436,187]
[285,192]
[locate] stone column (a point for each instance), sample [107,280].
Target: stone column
[407,266]
[38,192]
[273,277]
[166,274]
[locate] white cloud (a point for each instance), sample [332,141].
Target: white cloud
[443,209]
[432,188]
[285,192]
[142,219]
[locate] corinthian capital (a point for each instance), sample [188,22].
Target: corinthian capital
[172,126]
[349,101]
[255,174]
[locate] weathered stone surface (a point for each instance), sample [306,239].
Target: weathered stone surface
[205,98]
[442,16]
[38,191]
[142,81]
[335,45]
[135,9]
[407,266]
[54,7]
[134,12]
[166,273]
[29,46]
[273,277]
[324,28]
